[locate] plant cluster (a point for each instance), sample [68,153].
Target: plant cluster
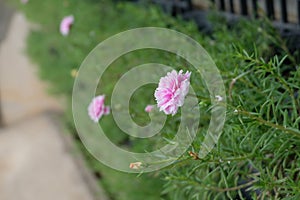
[257,156]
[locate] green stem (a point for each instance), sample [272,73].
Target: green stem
[217,189]
[270,124]
[290,90]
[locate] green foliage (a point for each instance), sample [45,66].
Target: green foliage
[258,152]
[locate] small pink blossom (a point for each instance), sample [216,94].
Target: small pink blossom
[172,90]
[97,108]
[106,110]
[24,1]
[66,24]
[149,108]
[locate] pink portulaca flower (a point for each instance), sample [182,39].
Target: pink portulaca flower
[66,24]
[149,108]
[97,108]
[171,91]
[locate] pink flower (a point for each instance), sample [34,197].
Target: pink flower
[97,108]
[66,24]
[149,108]
[171,91]
[24,1]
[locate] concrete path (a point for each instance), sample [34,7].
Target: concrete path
[22,93]
[36,162]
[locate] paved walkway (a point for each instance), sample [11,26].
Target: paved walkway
[35,160]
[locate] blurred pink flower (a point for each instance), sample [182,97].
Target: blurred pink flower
[172,90]
[97,108]
[66,24]
[24,1]
[106,110]
[149,108]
